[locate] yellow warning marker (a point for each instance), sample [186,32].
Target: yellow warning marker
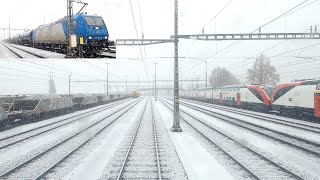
[81,40]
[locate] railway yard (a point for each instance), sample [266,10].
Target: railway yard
[198,90]
[14,51]
[131,139]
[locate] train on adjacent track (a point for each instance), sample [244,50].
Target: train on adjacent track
[135,94]
[33,108]
[3,115]
[54,36]
[299,98]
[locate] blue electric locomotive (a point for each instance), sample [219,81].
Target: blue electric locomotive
[54,36]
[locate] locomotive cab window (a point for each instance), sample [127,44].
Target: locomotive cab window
[318,86]
[99,21]
[90,21]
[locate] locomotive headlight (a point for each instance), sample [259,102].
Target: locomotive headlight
[90,37]
[106,37]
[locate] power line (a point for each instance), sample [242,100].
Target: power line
[224,7]
[237,66]
[236,42]
[30,72]
[290,65]
[280,16]
[141,24]
[97,67]
[217,14]
[67,71]
[135,26]
[306,47]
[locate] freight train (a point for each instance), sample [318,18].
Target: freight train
[3,116]
[298,99]
[33,108]
[54,36]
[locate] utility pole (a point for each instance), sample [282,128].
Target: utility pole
[126,84]
[107,77]
[9,28]
[176,114]
[138,82]
[72,40]
[181,78]
[155,81]
[206,74]
[261,70]
[152,89]
[69,24]
[69,82]
[4,32]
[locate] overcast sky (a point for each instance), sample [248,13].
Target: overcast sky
[241,16]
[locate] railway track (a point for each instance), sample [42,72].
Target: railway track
[257,166]
[24,135]
[260,116]
[107,53]
[15,53]
[21,53]
[43,162]
[304,145]
[140,155]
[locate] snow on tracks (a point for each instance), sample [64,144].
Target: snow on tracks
[41,163]
[256,165]
[147,152]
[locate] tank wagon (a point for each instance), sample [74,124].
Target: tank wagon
[54,36]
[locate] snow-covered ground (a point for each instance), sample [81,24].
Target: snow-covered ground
[93,164]
[279,127]
[18,153]
[273,116]
[185,153]
[197,161]
[142,159]
[29,127]
[5,53]
[43,53]
[293,159]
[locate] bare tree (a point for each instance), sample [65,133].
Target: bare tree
[262,72]
[221,76]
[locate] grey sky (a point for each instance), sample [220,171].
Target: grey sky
[241,16]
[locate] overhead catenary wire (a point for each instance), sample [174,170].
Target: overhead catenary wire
[66,71]
[236,42]
[103,70]
[137,36]
[142,29]
[280,16]
[30,72]
[242,75]
[224,7]
[260,53]
[213,18]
